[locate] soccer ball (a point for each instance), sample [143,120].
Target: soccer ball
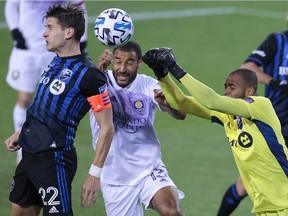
[113,27]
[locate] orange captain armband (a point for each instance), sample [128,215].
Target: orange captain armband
[99,102]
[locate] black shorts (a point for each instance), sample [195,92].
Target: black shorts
[45,179]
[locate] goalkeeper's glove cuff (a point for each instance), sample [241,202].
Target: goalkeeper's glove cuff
[177,71]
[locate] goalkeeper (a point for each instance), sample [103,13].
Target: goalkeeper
[249,121]
[269,62]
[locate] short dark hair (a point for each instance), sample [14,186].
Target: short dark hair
[130,46]
[249,77]
[68,16]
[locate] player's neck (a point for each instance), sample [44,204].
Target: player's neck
[69,50]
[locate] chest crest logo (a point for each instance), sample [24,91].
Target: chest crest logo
[138,105]
[65,74]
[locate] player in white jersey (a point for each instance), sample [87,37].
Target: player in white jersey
[133,173]
[29,56]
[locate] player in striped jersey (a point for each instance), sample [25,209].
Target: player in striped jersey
[249,121]
[29,56]
[270,63]
[70,86]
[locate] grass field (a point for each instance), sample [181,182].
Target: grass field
[210,39]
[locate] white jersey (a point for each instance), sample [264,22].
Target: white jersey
[27,16]
[135,149]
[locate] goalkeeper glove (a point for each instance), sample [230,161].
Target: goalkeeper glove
[167,59]
[84,48]
[281,85]
[18,38]
[150,58]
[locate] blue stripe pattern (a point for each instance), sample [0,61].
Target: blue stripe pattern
[66,109]
[62,182]
[275,147]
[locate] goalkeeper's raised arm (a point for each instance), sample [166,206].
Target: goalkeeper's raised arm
[250,123]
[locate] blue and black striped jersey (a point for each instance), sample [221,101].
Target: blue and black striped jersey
[60,103]
[272,56]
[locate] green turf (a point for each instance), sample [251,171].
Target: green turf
[195,151]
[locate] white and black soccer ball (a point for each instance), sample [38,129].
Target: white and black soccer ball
[113,27]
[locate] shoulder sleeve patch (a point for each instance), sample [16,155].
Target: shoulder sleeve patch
[248,99]
[103,88]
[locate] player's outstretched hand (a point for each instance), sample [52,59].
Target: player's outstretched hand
[167,59]
[281,85]
[160,98]
[90,190]
[150,58]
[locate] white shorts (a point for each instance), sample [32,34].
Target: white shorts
[26,67]
[127,200]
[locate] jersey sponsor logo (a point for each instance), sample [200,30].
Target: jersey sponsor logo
[283,71]
[259,52]
[245,140]
[57,87]
[129,123]
[65,74]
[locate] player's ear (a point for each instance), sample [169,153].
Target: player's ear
[69,32]
[250,91]
[139,63]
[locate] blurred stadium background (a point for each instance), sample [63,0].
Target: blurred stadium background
[210,39]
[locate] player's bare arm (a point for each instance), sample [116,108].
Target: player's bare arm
[91,185]
[262,77]
[163,103]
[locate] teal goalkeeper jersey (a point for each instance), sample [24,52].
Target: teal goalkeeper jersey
[254,134]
